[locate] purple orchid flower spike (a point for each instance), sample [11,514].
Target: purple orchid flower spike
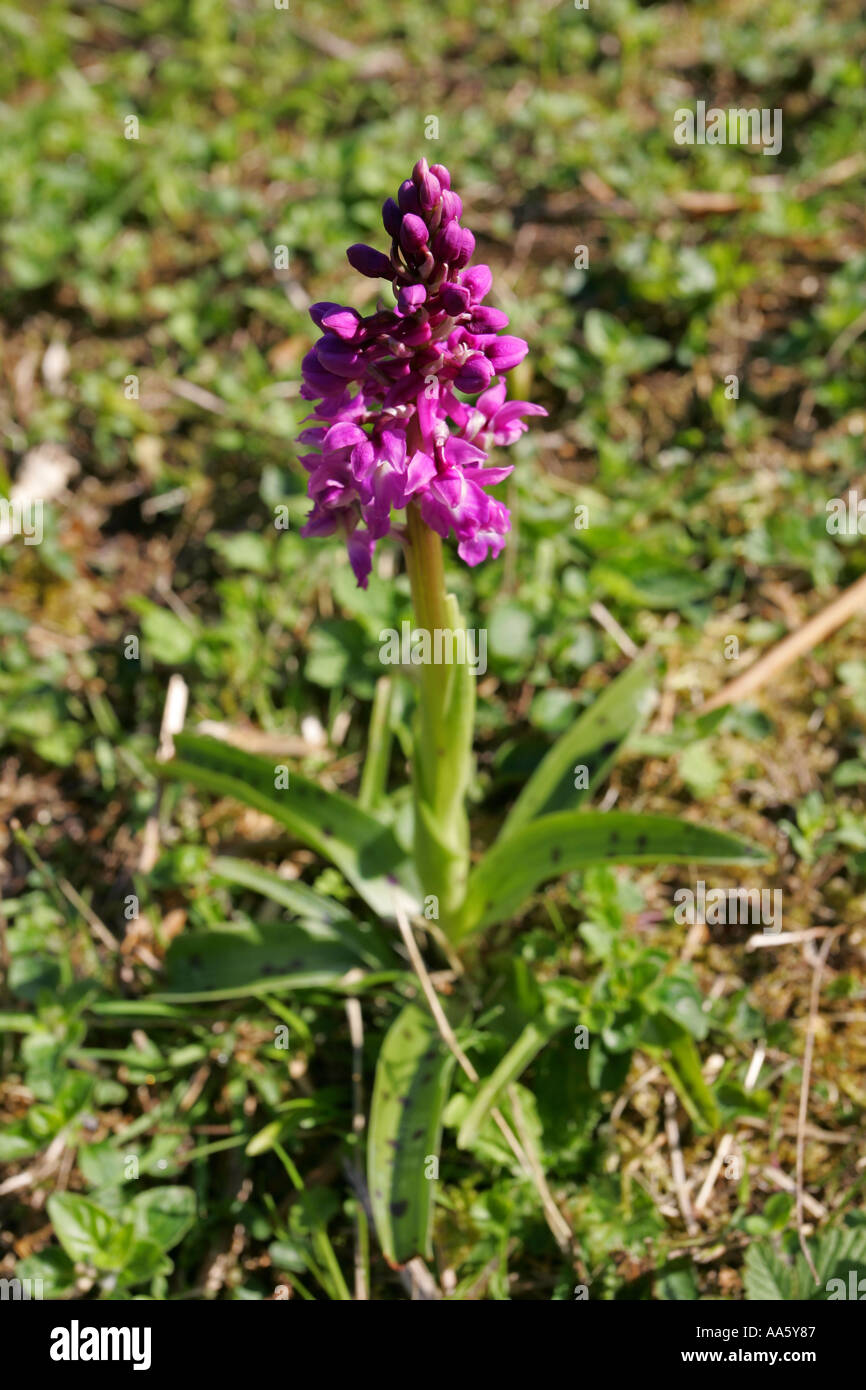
[391,428]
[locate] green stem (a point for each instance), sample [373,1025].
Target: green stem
[427,579]
[443,733]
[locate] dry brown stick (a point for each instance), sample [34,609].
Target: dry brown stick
[559,1227]
[605,619]
[727,1140]
[356,1034]
[814,999]
[678,1168]
[787,1184]
[95,923]
[173,717]
[796,644]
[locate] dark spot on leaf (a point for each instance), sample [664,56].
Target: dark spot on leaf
[556,855]
[418,1134]
[641,842]
[399,1209]
[393,1143]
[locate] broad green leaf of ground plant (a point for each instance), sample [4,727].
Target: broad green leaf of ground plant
[308,905]
[837,1254]
[593,742]
[162,1215]
[412,1079]
[553,845]
[88,1234]
[335,827]
[258,959]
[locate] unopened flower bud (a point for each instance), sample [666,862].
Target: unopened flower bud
[447,243]
[413,234]
[477,280]
[475,375]
[487,320]
[407,197]
[506,352]
[370,262]
[391,217]
[429,193]
[455,298]
[452,206]
[467,246]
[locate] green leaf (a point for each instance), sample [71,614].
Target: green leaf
[251,960]
[16,1143]
[52,1267]
[162,1215]
[412,1079]
[170,639]
[554,845]
[290,893]
[838,1253]
[88,1233]
[263,1140]
[562,1001]
[362,849]
[146,1260]
[367,943]
[676,1281]
[102,1165]
[513,1064]
[681,1000]
[668,1042]
[767,1278]
[614,344]
[593,741]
